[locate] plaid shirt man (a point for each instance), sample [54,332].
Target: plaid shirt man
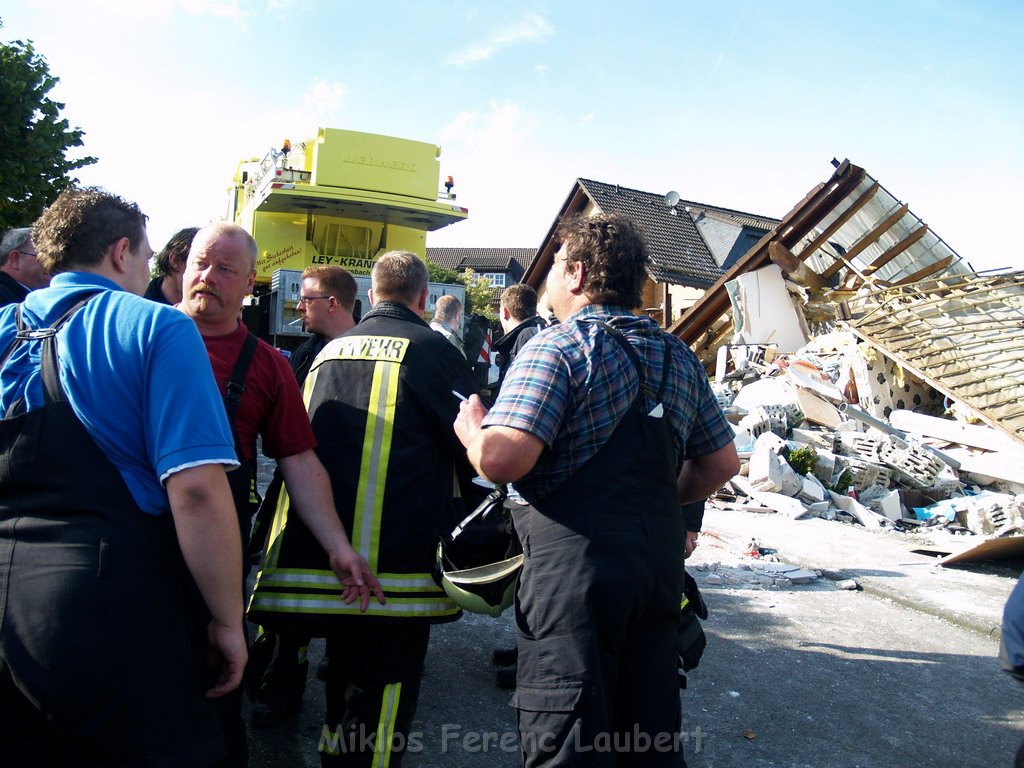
[574,374]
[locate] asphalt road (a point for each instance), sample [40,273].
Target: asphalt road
[808,676]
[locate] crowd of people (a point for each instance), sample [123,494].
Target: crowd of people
[130,512]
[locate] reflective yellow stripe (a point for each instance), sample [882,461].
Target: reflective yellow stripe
[304,577]
[332,605]
[310,382]
[277,525]
[373,468]
[386,725]
[686,602]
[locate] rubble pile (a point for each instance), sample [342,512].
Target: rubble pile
[814,429]
[757,575]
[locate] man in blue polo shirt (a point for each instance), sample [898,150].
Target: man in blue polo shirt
[110,476]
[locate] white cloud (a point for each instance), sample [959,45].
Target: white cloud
[531,28]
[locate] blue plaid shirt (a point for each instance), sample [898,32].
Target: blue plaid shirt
[572,383]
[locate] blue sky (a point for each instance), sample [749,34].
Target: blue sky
[738,103]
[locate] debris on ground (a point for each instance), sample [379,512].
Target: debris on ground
[870,375]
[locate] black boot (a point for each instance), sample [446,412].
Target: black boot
[506,677]
[505,657]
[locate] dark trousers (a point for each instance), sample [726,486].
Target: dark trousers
[597,612]
[99,664]
[372,688]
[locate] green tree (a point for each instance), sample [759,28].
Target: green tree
[34,138]
[478,295]
[439,274]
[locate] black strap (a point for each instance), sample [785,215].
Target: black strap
[232,398]
[236,383]
[53,392]
[623,342]
[495,499]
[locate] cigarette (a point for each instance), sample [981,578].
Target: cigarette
[459,395]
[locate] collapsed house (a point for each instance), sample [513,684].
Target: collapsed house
[870,373]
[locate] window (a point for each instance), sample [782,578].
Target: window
[497,278]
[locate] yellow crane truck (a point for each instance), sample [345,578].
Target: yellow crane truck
[341,198]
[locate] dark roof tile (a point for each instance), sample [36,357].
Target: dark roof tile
[511,260]
[678,250]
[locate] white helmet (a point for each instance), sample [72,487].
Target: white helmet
[479,562]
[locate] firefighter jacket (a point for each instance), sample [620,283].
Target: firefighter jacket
[381,404]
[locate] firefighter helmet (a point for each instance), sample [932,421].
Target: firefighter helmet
[478,563]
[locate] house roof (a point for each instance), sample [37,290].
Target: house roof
[511,260]
[679,252]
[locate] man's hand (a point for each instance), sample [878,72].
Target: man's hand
[356,577]
[467,423]
[691,543]
[500,454]
[226,650]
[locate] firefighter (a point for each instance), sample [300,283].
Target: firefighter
[381,404]
[592,425]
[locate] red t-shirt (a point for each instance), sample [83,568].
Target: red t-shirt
[271,404]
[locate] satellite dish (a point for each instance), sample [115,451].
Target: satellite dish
[672,199]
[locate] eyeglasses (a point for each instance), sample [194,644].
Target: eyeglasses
[27,253]
[307,299]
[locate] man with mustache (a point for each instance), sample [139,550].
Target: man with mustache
[262,398]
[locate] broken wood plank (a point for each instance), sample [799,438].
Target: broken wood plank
[872,235]
[835,226]
[924,272]
[897,249]
[990,549]
[794,268]
[816,409]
